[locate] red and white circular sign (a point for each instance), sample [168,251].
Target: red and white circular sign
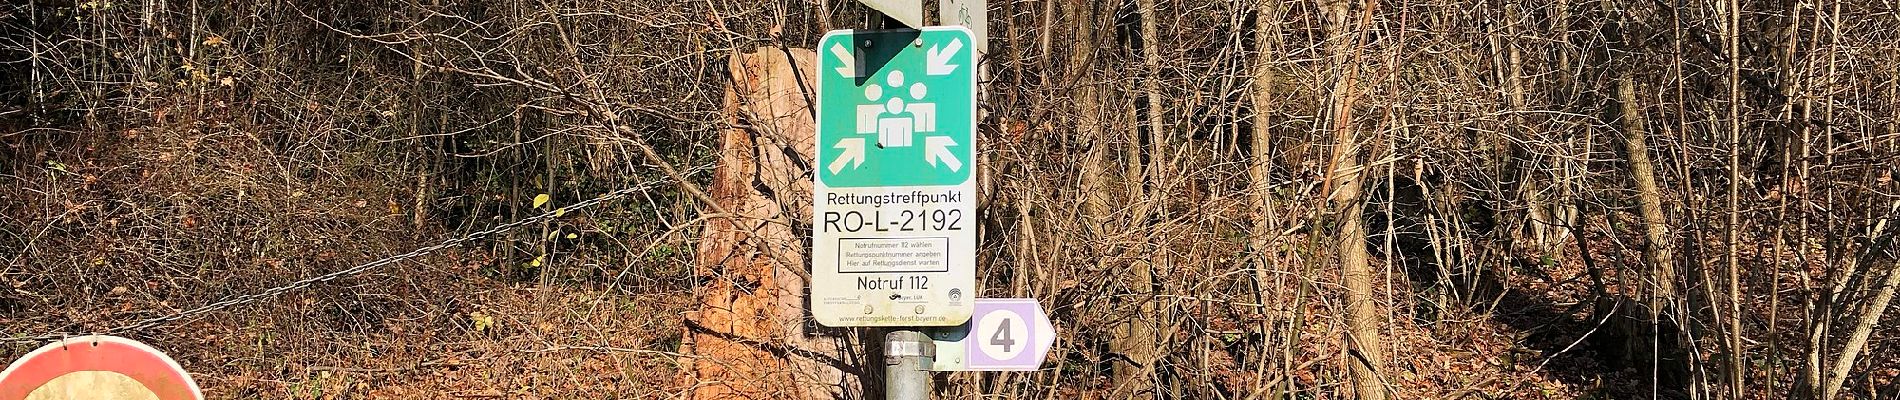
[97,367]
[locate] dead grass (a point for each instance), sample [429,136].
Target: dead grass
[559,343]
[120,224]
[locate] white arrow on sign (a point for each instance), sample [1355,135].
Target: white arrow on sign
[939,58]
[853,154]
[937,149]
[849,64]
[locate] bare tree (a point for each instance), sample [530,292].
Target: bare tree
[1345,23]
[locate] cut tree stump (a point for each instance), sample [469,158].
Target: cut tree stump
[750,337]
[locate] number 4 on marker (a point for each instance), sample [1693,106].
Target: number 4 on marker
[1001,338]
[1003,335]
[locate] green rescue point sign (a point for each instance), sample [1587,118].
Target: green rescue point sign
[894,196]
[896,108]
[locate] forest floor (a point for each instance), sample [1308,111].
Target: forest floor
[441,329]
[449,326]
[140,222]
[518,343]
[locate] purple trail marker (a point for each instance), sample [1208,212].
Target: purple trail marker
[1008,335]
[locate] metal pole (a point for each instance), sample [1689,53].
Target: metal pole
[908,353]
[908,356]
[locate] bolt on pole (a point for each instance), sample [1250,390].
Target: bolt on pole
[908,356]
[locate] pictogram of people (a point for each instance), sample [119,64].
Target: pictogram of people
[894,119]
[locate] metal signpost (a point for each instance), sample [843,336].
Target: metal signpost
[894,190]
[894,200]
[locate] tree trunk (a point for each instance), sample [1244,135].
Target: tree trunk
[1870,314]
[1654,342]
[1529,187]
[1265,225]
[749,339]
[1138,338]
[1086,119]
[1648,194]
[1365,352]
[1260,163]
[1733,336]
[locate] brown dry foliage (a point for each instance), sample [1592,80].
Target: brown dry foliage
[158,155]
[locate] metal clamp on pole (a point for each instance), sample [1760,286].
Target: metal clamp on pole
[908,355]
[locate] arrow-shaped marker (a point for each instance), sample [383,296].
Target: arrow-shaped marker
[853,154]
[1044,340]
[939,59]
[937,148]
[988,319]
[850,68]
